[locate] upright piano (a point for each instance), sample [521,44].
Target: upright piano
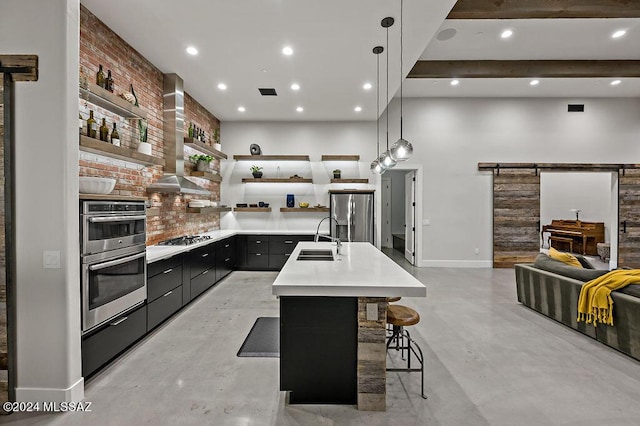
[574,234]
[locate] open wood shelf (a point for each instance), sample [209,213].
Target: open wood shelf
[208,210]
[271,157]
[110,197]
[340,158]
[204,148]
[97,146]
[206,175]
[252,209]
[111,102]
[349,180]
[153,211]
[276,180]
[304,209]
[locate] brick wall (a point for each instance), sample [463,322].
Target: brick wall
[100,45]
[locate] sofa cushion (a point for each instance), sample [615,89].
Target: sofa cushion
[584,262]
[567,258]
[631,290]
[546,263]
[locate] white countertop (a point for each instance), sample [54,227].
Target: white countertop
[155,253]
[361,271]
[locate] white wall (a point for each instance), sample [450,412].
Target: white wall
[313,139]
[48,300]
[450,137]
[589,192]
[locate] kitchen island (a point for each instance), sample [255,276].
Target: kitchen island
[332,323]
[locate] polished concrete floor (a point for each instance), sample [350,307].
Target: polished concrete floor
[489,361]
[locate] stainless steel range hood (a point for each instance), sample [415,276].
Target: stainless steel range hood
[173,180]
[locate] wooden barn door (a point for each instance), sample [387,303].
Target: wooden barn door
[629,218]
[516,216]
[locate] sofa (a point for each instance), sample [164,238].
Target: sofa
[552,288]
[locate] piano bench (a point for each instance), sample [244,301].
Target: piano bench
[562,241]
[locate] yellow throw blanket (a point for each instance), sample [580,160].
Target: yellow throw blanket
[595,303]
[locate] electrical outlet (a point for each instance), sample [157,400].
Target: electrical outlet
[51,259]
[477,251]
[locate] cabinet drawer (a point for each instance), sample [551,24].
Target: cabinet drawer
[257,260]
[277,261]
[258,244]
[202,282]
[282,244]
[163,282]
[161,309]
[160,266]
[202,259]
[101,346]
[226,248]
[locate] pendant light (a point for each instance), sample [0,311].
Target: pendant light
[385,159]
[402,149]
[376,167]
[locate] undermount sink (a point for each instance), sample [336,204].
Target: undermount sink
[326,255]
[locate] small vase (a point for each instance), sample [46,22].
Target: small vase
[336,175]
[202,166]
[144,148]
[257,175]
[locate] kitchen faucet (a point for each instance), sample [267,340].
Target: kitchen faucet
[328,237]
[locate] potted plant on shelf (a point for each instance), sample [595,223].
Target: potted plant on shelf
[202,161]
[256,172]
[337,173]
[216,139]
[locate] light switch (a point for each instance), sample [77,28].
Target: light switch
[51,259]
[372,312]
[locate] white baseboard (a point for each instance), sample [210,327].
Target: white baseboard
[74,393]
[456,263]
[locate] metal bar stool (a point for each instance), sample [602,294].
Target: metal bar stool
[400,316]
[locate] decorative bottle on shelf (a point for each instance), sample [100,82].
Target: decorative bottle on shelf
[191,130]
[104,131]
[115,136]
[80,123]
[91,125]
[291,201]
[100,80]
[109,82]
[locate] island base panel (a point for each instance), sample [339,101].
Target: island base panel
[318,349]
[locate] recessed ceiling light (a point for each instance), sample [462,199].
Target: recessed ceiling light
[367,86]
[618,34]
[299,109]
[192,50]
[241,109]
[455,82]
[358,109]
[534,82]
[222,86]
[616,82]
[287,50]
[295,86]
[506,33]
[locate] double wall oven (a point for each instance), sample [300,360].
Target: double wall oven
[113,259]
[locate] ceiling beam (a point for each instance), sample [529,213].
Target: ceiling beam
[543,9]
[525,69]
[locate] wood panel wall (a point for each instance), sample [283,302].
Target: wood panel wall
[629,213]
[516,217]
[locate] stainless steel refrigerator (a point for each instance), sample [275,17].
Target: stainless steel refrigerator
[353,214]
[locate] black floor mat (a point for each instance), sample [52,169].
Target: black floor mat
[263,339]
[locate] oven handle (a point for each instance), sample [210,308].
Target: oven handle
[116,262]
[102,219]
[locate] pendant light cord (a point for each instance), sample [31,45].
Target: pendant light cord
[401,68]
[378,105]
[387,88]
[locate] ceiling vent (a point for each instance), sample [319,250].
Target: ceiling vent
[269,91]
[575,108]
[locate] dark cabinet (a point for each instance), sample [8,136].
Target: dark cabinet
[113,338]
[266,252]
[242,261]
[164,289]
[202,259]
[281,247]
[202,282]
[225,257]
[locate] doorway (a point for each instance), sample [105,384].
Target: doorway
[399,212]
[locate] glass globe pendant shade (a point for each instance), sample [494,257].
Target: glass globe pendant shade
[386,160]
[402,150]
[376,167]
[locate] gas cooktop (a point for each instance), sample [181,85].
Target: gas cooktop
[185,240]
